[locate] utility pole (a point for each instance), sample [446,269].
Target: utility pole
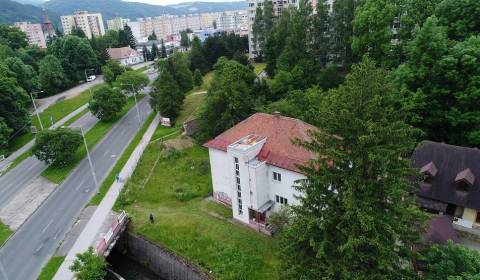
[136,104]
[36,111]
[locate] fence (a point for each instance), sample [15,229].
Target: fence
[159,260]
[111,236]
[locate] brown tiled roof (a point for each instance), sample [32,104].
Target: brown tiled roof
[280,131]
[121,53]
[450,161]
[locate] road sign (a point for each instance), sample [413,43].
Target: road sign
[166,122]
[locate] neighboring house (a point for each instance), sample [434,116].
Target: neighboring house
[450,184]
[125,56]
[255,164]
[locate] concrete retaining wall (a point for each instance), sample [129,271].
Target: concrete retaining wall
[159,260]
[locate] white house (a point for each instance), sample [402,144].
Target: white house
[255,164]
[125,56]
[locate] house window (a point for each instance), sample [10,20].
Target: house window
[281,200]
[239,188]
[277,176]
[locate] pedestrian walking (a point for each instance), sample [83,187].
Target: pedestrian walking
[152,220]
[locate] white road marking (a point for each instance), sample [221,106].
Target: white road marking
[45,228]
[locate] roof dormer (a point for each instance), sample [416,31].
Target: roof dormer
[429,169]
[465,178]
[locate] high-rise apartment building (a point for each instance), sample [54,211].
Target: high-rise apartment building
[278,7]
[117,23]
[90,23]
[34,33]
[233,21]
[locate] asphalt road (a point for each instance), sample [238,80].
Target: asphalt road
[29,169]
[34,243]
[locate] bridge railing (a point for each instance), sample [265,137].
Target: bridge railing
[109,239]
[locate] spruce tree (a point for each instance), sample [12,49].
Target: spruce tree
[163,50]
[357,218]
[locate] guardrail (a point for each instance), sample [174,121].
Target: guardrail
[109,239]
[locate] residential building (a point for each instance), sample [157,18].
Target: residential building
[117,23]
[34,32]
[450,186]
[125,56]
[255,164]
[278,7]
[165,26]
[90,23]
[233,21]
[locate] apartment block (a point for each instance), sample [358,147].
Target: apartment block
[117,23]
[90,23]
[233,21]
[34,33]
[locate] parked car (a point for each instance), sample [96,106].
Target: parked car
[91,78]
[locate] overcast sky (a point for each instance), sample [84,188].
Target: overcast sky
[167,2]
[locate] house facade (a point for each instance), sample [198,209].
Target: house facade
[450,186]
[254,166]
[125,56]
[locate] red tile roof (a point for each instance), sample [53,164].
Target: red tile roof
[279,150]
[121,53]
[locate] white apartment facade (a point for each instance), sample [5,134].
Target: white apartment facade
[254,166]
[34,32]
[233,21]
[90,23]
[117,23]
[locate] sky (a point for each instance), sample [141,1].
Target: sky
[168,2]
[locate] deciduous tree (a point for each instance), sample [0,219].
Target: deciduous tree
[229,99]
[14,102]
[51,77]
[132,80]
[57,146]
[89,266]
[167,97]
[5,132]
[451,261]
[106,102]
[111,70]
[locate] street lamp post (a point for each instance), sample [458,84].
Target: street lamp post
[92,170]
[134,97]
[35,107]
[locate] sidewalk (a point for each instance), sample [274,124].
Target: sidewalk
[6,162]
[89,233]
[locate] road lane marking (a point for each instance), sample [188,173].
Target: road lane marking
[45,228]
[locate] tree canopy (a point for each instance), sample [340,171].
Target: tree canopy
[57,146]
[360,173]
[166,97]
[89,266]
[106,102]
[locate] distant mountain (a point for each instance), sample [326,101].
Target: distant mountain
[11,12]
[133,10]
[208,7]
[31,2]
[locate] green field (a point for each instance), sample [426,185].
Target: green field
[121,162]
[174,187]
[53,113]
[191,104]
[94,135]
[49,270]
[258,67]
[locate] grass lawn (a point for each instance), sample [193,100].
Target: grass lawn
[258,67]
[121,162]
[190,105]
[5,233]
[94,135]
[174,186]
[49,270]
[55,112]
